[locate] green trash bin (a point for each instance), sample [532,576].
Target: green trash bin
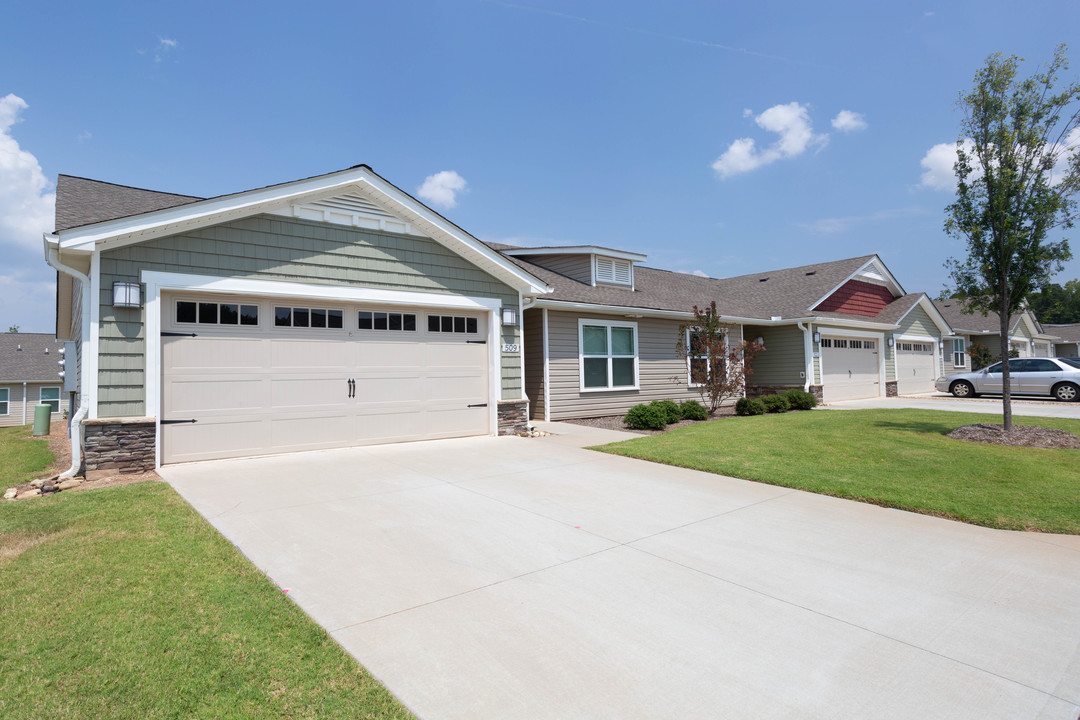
[42,417]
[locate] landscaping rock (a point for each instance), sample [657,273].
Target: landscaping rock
[11,493]
[37,482]
[48,487]
[28,494]
[70,483]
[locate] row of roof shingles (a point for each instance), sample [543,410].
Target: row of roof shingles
[80,201]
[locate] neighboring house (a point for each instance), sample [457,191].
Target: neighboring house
[1026,336]
[605,338]
[1068,344]
[29,375]
[326,312]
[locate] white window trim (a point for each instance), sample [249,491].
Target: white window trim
[686,339]
[6,394]
[962,352]
[59,396]
[582,322]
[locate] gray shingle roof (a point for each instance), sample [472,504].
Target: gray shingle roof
[80,201]
[1068,332]
[953,312]
[30,363]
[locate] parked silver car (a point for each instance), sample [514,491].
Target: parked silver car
[1056,377]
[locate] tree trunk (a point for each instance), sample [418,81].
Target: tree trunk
[1006,380]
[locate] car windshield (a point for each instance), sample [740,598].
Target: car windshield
[1075,362]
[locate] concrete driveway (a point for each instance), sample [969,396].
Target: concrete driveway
[989,405]
[529,578]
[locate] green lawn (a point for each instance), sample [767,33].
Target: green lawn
[22,459]
[895,458]
[125,603]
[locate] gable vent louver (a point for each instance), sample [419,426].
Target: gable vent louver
[610,270]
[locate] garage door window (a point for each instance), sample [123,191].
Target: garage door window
[456,324]
[393,322]
[915,347]
[212,313]
[302,317]
[608,355]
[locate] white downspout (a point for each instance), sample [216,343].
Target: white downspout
[808,355]
[24,402]
[52,257]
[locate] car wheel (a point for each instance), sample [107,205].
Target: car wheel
[1067,392]
[962,389]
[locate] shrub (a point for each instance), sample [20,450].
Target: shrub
[693,410]
[776,403]
[670,408]
[746,406]
[645,417]
[800,399]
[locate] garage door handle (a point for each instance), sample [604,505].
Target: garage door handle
[477,342]
[172,334]
[174,422]
[351,384]
[479,405]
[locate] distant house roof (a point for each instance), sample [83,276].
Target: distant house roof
[29,357]
[971,322]
[80,201]
[1069,333]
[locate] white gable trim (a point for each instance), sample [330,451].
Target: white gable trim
[361,180]
[578,250]
[873,265]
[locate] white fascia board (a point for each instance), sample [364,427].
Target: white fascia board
[579,250]
[147,226]
[275,288]
[918,338]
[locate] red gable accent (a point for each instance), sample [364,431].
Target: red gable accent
[856,297]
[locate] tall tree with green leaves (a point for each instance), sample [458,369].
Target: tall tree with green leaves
[1017,168]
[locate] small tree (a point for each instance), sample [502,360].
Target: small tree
[13,328]
[717,367]
[980,356]
[1016,170]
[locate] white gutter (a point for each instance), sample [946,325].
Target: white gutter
[52,257]
[808,355]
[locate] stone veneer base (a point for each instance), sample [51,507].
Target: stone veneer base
[118,446]
[891,389]
[513,416]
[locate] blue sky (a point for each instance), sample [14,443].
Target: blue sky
[623,124]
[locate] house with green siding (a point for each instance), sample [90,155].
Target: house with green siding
[338,310]
[1027,337]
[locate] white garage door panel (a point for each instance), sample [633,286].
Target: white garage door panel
[288,389]
[915,368]
[849,373]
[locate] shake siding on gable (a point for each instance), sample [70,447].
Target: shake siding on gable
[857,298]
[533,325]
[282,249]
[657,364]
[577,267]
[918,322]
[783,358]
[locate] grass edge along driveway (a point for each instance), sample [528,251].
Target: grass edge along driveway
[125,603]
[896,458]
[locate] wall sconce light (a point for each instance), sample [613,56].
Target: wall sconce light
[125,294]
[817,337]
[892,342]
[940,344]
[509,316]
[760,341]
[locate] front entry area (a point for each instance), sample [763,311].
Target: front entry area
[849,368]
[244,376]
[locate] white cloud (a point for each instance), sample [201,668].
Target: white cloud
[84,136]
[832,226]
[441,189]
[1070,144]
[164,46]
[26,205]
[849,121]
[937,166]
[700,273]
[791,122]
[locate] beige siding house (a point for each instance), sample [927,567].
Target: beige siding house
[29,375]
[1067,343]
[1027,337]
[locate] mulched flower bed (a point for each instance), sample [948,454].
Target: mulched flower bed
[1021,436]
[615,422]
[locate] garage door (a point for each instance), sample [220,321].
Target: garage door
[244,377]
[849,368]
[1042,350]
[915,368]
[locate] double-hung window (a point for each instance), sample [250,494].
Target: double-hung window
[958,352]
[608,355]
[51,396]
[4,397]
[697,356]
